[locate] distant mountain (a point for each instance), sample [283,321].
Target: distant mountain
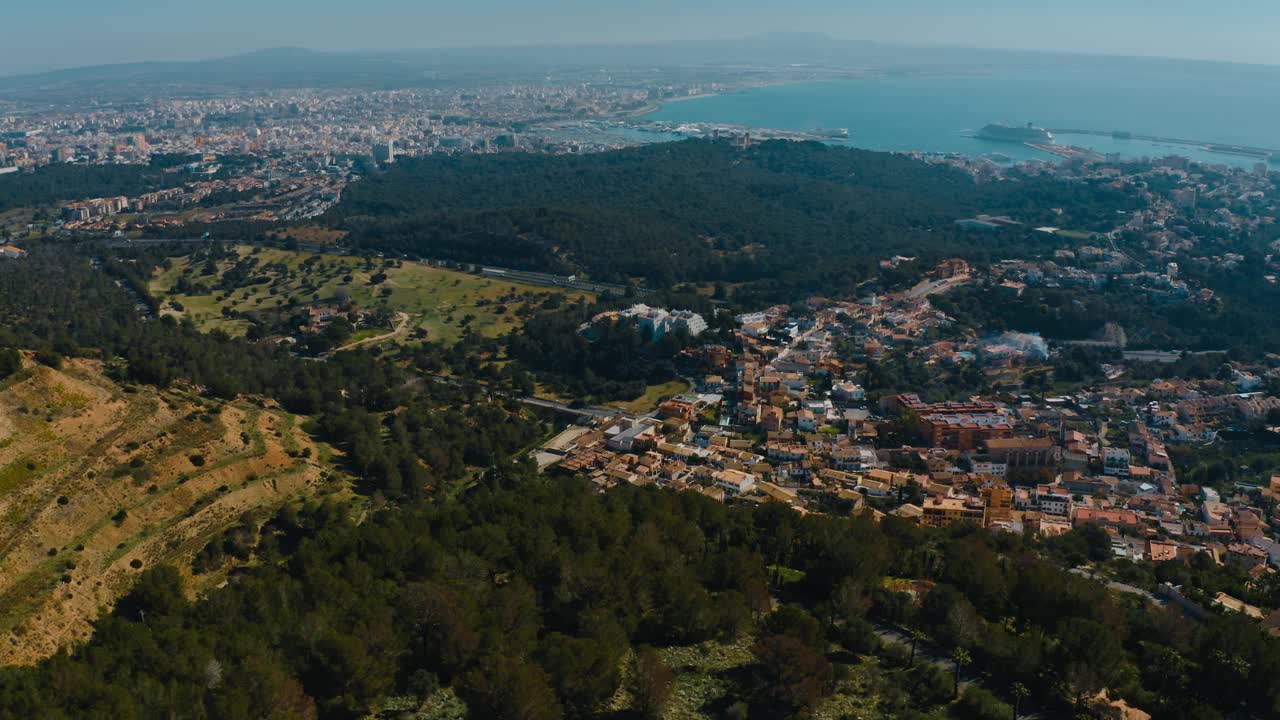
[299,67]
[386,69]
[265,69]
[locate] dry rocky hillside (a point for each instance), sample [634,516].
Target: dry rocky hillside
[99,481]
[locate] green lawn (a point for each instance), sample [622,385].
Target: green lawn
[443,303]
[654,396]
[16,221]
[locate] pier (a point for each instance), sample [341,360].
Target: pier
[1215,147]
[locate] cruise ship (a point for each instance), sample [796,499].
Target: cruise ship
[1019,134]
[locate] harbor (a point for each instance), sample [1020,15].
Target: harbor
[1261,153]
[945,113]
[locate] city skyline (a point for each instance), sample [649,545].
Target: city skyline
[145,30]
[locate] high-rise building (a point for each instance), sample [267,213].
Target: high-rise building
[1185,198]
[385,152]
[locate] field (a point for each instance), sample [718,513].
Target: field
[16,221]
[100,481]
[653,396]
[311,234]
[442,303]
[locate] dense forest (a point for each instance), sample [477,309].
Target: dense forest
[532,598]
[63,182]
[782,217]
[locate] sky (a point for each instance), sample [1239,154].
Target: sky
[37,35]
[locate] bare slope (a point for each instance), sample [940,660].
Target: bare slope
[98,481]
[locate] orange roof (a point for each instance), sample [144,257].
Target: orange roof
[1161,552]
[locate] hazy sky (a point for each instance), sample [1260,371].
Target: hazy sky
[43,34]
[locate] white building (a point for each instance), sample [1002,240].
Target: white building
[1053,500]
[994,468]
[1115,462]
[849,392]
[735,482]
[658,322]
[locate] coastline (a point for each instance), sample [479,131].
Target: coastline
[1098,143]
[655,106]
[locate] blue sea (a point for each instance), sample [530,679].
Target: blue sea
[937,113]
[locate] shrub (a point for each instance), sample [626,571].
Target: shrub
[975,703]
[10,362]
[858,636]
[49,358]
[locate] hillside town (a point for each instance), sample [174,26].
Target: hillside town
[780,414]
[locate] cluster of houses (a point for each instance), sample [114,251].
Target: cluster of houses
[84,213]
[780,417]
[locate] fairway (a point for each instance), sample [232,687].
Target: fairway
[442,303]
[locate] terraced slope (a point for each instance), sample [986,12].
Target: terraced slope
[99,481]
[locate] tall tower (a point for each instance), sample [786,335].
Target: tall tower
[385,152]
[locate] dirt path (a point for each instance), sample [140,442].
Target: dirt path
[401,327]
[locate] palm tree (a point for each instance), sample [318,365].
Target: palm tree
[916,636]
[1020,693]
[960,657]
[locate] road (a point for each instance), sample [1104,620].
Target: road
[925,651]
[925,288]
[561,281]
[791,345]
[934,656]
[1118,586]
[561,407]
[530,400]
